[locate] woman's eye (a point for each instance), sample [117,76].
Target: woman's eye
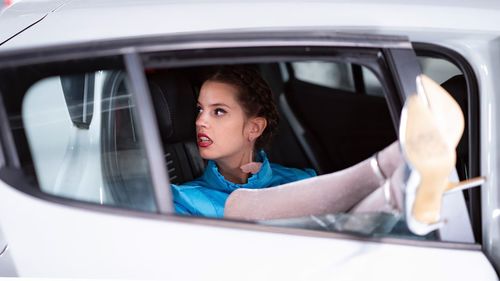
[219,111]
[199,110]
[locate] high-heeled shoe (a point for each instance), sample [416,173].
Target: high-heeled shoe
[431,126]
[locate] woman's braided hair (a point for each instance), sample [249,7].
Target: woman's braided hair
[254,95]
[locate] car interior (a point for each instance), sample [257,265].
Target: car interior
[322,128]
[326,125]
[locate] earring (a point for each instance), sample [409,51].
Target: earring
[251,167]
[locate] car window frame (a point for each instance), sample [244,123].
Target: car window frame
[8,155]
[136,51]
[149,127]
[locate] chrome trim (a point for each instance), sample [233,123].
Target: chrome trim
[206,40]
[267,43]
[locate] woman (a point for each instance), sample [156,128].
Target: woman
[236,119]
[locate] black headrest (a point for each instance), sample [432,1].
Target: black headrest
[457,87]
[175,105]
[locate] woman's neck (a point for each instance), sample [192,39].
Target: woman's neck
[231,168]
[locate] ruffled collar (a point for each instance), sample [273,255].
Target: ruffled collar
[259,180]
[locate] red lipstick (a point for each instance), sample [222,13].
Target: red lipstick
[204,140]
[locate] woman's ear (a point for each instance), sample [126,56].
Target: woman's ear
[256,128]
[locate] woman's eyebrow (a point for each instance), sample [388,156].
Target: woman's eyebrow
[219,104]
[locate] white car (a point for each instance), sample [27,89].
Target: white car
[97,119]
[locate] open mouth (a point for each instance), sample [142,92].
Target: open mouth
[204,140]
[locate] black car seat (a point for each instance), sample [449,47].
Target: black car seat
[174,100]
[338,128]
[285,149]
[457,87]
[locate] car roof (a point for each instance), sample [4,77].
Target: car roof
[33,23]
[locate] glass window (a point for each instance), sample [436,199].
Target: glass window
[343,76]
[372,83]
[438,69]
[84,142]
[328,74]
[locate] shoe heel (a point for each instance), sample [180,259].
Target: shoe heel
[465,184]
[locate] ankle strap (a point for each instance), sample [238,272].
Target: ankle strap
[376,169]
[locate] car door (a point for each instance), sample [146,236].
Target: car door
[75,205]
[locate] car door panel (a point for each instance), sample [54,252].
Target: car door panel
[70,242]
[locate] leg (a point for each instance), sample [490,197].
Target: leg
[378,201]
[331,193]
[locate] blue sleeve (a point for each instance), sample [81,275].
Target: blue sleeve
[180,209]
[180,206]
[310,172]
[189,199]
[301,174]
[282,175]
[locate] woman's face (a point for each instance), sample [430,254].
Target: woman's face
[221,125]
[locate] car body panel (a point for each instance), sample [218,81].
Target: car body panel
[153,249]
[7,266]
[487,65]
[155,17]
[21,16]
[483,54]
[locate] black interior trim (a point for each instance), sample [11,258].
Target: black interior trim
[359,81]
[8,151]
[404,69]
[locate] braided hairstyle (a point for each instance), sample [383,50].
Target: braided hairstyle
[254,95]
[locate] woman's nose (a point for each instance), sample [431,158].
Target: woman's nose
[201,120]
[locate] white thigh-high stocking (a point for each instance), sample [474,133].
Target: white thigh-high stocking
[330,193]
